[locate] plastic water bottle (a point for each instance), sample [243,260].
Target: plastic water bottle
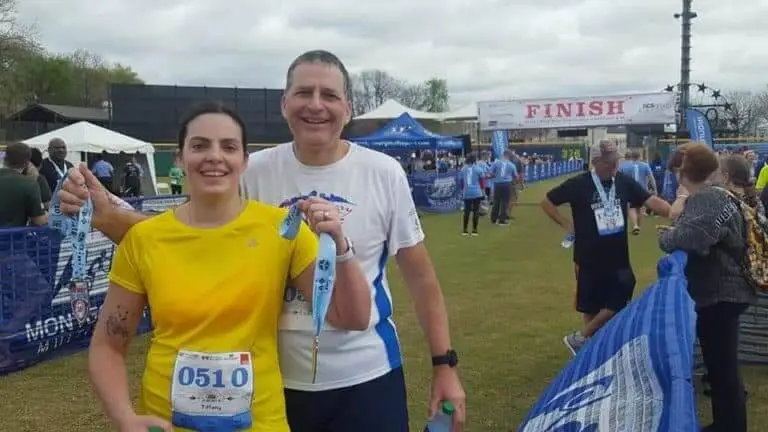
[568,241]
[443,420]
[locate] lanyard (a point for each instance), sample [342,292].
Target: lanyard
[76,229]
[58,169]
[637,172]
[325,276]
[608,200]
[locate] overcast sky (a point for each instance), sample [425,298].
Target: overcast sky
[486,49]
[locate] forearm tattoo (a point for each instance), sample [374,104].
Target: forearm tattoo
[117,324]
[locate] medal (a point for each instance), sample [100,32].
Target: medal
[325,276]
[76,230]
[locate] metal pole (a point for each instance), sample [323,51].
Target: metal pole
[686,16]
[685,55]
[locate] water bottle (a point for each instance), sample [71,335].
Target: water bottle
[443,420]
[568,241]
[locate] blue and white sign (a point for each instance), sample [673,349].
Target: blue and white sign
[635,374]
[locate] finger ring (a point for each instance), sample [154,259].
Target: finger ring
[326,215]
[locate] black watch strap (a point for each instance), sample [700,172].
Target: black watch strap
[450,359]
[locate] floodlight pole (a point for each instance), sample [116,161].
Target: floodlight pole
[686,16]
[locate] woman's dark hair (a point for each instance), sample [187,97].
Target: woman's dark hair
[36,157]
[212,108]
[470,159]
[699,162]
[737,169]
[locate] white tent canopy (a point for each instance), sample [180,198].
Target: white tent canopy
[467,112]
[84,137]
[393,109]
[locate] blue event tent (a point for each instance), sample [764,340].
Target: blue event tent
[405,133]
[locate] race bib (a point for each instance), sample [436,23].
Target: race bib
[297,311]
[212,391]
[609,220]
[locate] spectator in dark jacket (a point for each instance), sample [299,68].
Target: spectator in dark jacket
[45,190]
[712,231]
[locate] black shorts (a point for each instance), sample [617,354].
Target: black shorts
[598,289]
[379,405]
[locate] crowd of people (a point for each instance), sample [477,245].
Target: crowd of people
[26,203]
[244,361]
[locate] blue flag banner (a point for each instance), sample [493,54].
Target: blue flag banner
[698,127]
[499,143]
[635,373]
[36,318]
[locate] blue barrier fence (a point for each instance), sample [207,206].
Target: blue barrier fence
[36,320]
[635,373]
[439,192]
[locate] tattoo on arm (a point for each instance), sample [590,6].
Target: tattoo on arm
[117,324]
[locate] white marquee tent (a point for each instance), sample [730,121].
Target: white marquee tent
[392,109]
[83,137]
[467,113]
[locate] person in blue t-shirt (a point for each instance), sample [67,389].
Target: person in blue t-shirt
[471,191]
[658,168]
[503,173]
[642,173]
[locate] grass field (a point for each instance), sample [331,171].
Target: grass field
[509,293]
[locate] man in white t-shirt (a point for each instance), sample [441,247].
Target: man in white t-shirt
[360,384]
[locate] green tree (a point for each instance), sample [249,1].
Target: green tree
[17,45]
[435,95]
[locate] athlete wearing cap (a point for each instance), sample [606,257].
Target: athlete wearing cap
[599,200]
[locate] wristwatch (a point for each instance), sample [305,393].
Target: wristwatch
[349,254]
[450,358]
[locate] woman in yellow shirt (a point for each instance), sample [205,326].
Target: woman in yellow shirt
[213,272]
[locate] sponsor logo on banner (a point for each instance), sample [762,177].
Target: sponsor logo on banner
[621,394]
[578,112]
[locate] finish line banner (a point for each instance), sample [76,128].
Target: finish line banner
[636,373]
[578,112]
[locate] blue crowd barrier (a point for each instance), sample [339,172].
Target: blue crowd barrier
[36,319]
[439,192]
[635,373]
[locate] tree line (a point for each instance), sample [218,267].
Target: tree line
[29,73]
[371,88]
[747,111]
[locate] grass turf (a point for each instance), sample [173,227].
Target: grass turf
[509,293]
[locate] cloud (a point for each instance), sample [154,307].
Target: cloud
[486,49]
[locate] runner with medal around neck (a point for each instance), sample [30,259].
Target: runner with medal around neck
[599,200]
[213,274]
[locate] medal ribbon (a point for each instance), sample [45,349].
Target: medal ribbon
[608,200]
[325,276]
[76,229]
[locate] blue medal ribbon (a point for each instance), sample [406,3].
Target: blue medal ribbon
[76,230]
[325,276]
[607,200]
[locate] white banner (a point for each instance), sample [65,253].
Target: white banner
[578,112]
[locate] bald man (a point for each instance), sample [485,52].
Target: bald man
[55,165]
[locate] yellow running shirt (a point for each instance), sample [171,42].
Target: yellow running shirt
[214,290]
